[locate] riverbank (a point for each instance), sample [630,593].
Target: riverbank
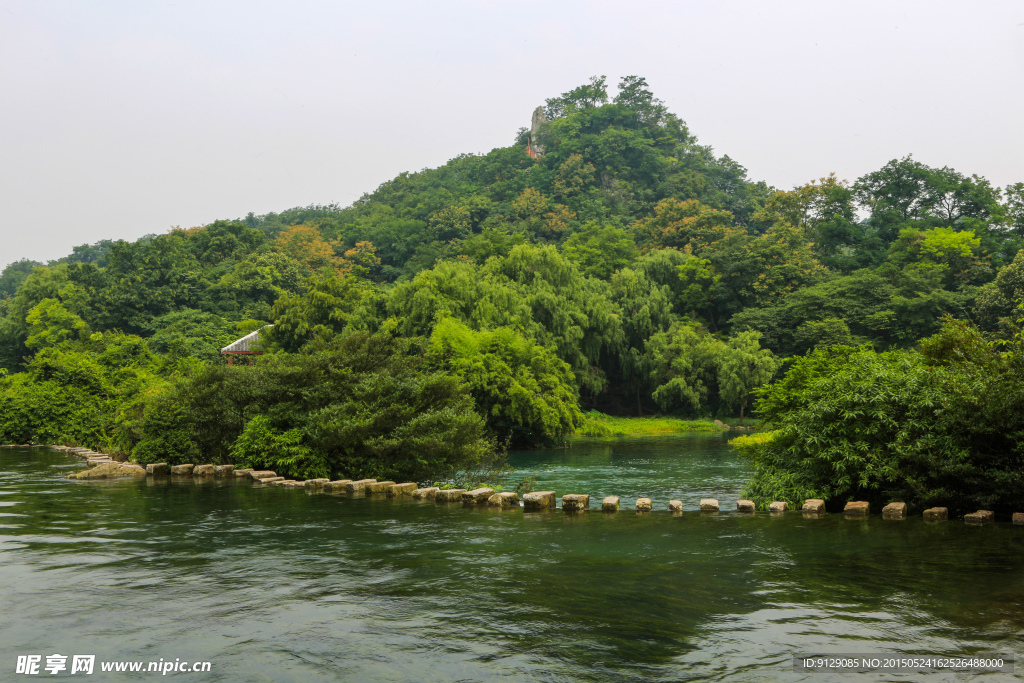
[599,424]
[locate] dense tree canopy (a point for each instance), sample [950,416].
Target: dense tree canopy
[627,268]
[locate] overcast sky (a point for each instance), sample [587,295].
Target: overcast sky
[126,118]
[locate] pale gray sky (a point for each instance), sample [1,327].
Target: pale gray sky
[126,118]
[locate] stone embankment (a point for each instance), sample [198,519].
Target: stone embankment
[105,467]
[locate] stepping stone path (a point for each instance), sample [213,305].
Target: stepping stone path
[104,467]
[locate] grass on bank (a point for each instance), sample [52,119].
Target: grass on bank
[599,424]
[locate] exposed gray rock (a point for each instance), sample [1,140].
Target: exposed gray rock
[182,469]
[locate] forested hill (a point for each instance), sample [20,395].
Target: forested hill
[627,268]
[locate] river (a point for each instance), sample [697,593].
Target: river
[277,584]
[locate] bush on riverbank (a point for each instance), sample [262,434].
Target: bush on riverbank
[362,406]
[940,425]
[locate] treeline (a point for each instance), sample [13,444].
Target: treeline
[627,269]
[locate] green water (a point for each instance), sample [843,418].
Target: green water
[274,584]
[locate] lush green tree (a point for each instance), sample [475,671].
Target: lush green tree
[321,312]
[683,364]
[742,367]
[364,406]
[50,324]
[937,427]
[678,224]
[599,251]
[1001,300]
[525,392]
[14,274]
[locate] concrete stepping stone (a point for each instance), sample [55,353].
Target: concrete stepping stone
[575,502]
[539,500]
[610,504]
[477,496]
[505,499]
[449,495]
[405,489]
[857,508]
[895,511]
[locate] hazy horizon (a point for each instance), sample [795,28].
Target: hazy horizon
[127,119]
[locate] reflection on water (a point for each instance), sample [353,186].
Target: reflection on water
[275,584]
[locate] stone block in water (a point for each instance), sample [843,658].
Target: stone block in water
[158,469]
[677,506]
[245,472]
[378,486]
[643,504]
[109,470]
[425,493]
[203,471]
[223,470]
[857,508]
[292,484]
[575,502]
[778,506]
[182,469]
[358,485]
[256,475]
[1018,517]
[895,511]
[539,500]
[405,489]
[936,514]
[315,483]
[708,505]
[980,517]
[449,495]
[336,485]
[745,506]
[610,504]
[816,505]
[477,496]
[505,499]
